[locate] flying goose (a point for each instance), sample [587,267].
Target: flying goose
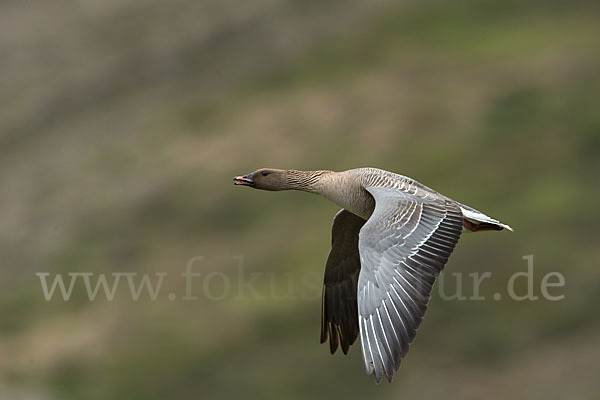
[389,243]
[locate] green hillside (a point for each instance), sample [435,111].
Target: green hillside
[123,123]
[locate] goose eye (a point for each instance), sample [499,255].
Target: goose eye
[265,173]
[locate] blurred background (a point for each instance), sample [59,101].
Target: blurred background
[122,124]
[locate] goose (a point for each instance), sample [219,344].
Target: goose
[390,241]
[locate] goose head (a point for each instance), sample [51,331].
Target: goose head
[265,179]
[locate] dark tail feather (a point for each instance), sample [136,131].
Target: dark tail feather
[481,226]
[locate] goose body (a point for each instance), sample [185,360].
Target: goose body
[390,241]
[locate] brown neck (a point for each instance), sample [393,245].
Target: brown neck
[307,181]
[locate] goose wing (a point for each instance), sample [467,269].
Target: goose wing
[403,247]
[339,314]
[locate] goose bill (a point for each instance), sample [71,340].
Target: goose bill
[243,180]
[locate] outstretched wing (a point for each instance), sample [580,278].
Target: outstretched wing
[339,315]
[403,247]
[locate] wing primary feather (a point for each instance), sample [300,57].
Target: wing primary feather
[379,364]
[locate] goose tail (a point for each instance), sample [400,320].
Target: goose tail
[476,221]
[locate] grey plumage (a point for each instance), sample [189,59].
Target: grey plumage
[390,241]
[404,246]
